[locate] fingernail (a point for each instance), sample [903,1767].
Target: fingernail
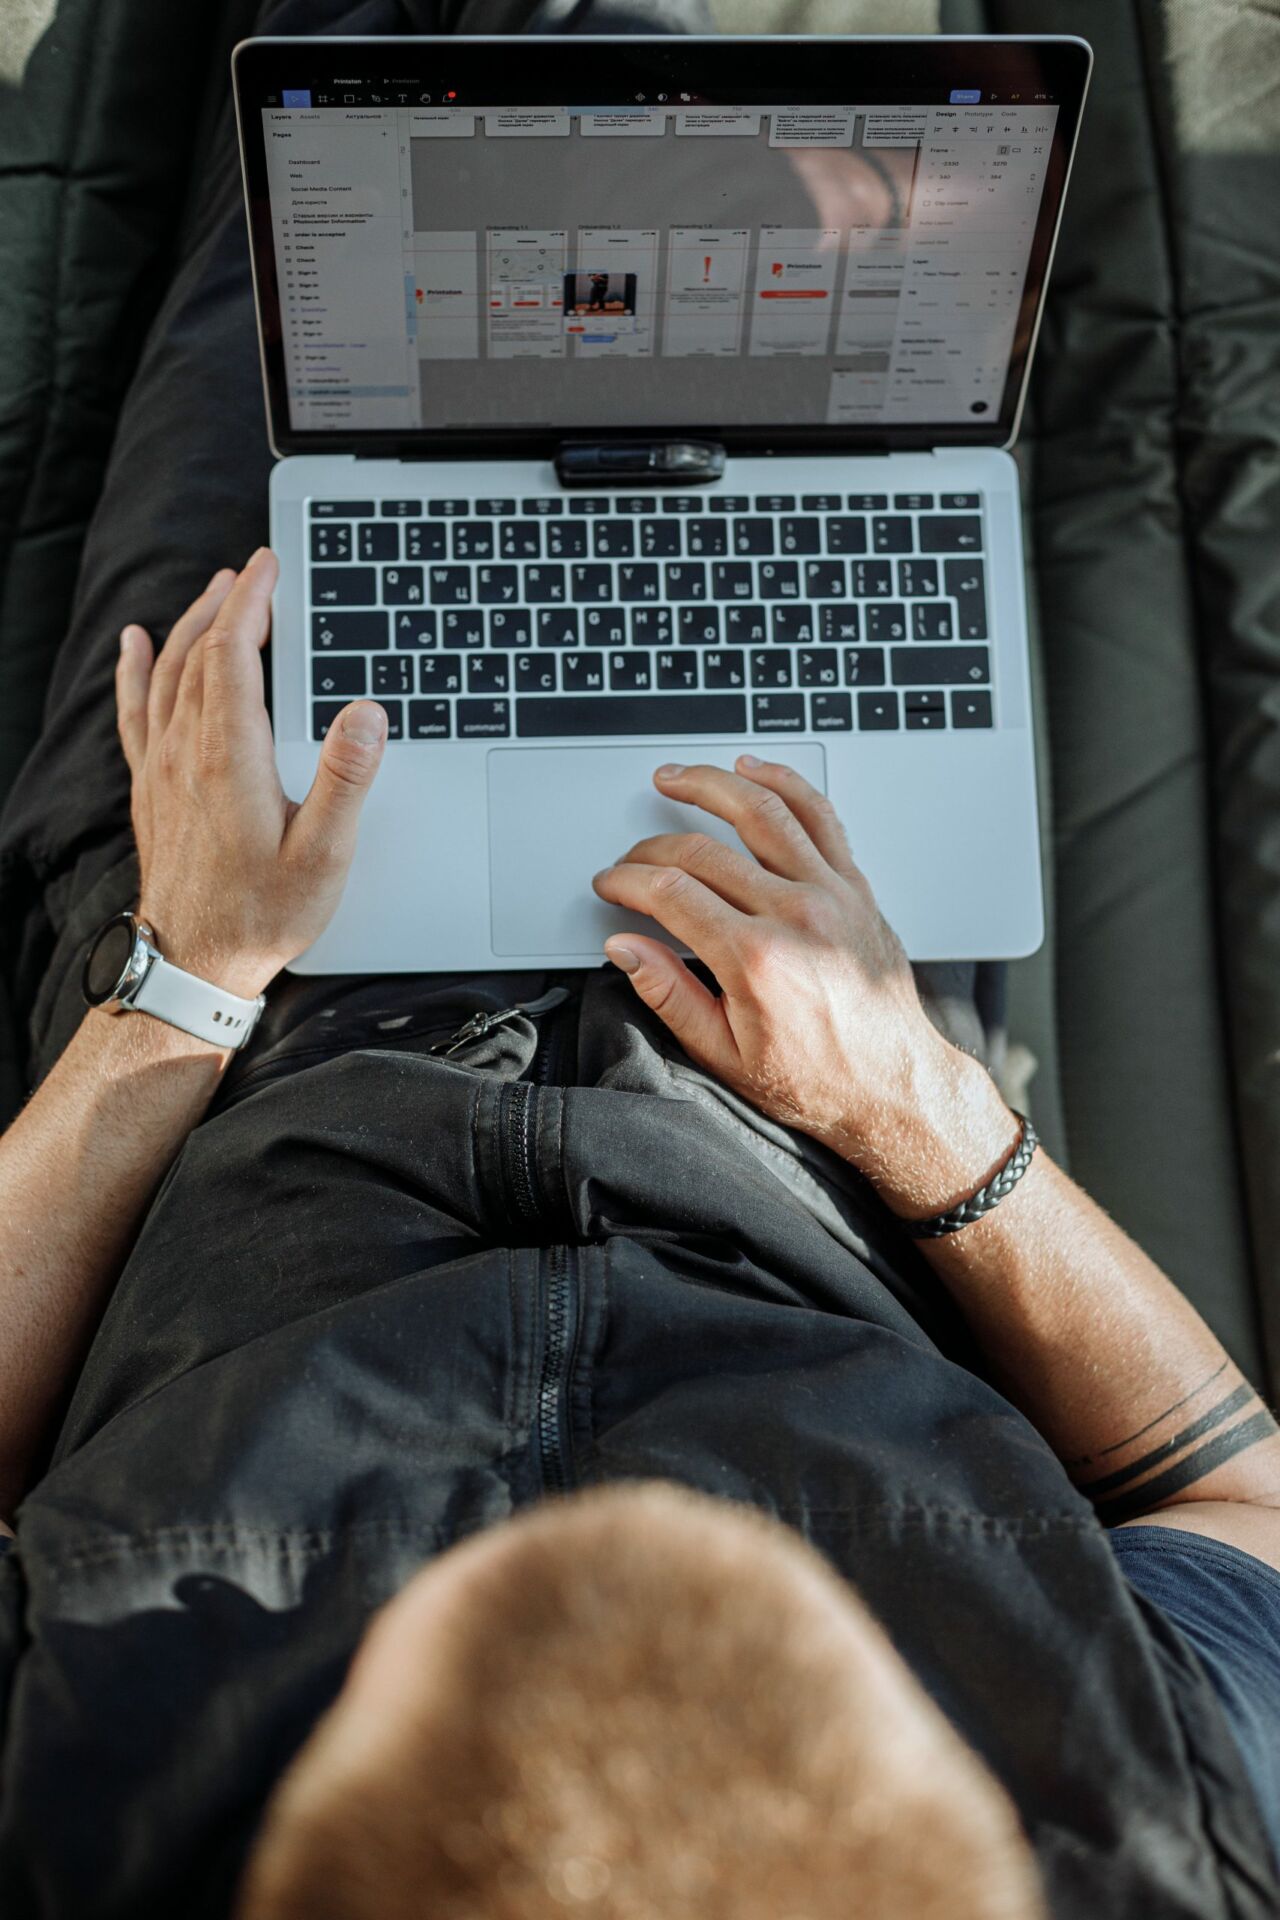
[365,725]
[215,577]
[600,875]
[749,760]
[670,771]
[623,957]
[126,639]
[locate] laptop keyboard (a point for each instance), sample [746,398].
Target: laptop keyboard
[559,615]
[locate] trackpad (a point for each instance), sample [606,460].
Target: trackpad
[559,814]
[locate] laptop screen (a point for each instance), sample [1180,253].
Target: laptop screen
[450,264]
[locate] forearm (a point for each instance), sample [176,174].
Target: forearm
[1080,1328]
[77,1170]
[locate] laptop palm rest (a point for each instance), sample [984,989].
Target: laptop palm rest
[559,814]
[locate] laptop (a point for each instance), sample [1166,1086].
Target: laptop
[647,399]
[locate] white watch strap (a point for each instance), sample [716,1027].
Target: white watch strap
[195,1006]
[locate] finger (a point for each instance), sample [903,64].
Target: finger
[133,678]
[231,667]
[735,876]
[764,822]
[184,633]
[697,917]
[682,1003]
[811,808]
[323,830]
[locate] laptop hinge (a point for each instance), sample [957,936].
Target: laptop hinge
[656,463]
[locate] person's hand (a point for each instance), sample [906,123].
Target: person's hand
[236,879]
[819,1023]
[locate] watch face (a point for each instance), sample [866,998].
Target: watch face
[108,958]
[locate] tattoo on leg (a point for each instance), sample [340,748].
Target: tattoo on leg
[1235,1421]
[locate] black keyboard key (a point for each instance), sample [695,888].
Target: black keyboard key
[676,671]
[497,586]
[745,626]
[836,624]
[487,675]
[891,535]
[613,539]
[845,535]
[683,503]
[582,672]
[589,503]
[344,587]
[511,627]
[722,669]
[392,673]
[519,539]
[473,540]
[753,536]
[867,502]
[440,673]
[686,580]
[961,533]
[416,629]
[818,667]
[917,578]
[543,507]
[777,712]
[430,720]
[423,540]
[638,580]
[863,667]
[800,536]
[605,626]
[346,677]
[342,509]
[341,632]
[871,579]
[971,709]
[634,714]
[448,509]
[730,503]
[940,666]
[401,509]
[380,540]
[885,620]
[925,719]
[731,580]
[909,502]
[332,542]
[821,502]
[960,500]
[792,626]
[967,585]
[567,539]
[770,669]
[779,580]
[484,719]
[462,628]
[830,712]
[652,627]
[825,579]
[708,537]
[591,583]
[493,509]
[659,538]
[698,626]
[535,672]
[450,586]
[544,585]
[636,503]
[631,672]
[931,622]
[919,700]
[558,627]
[402,586]
[877,712]
[323,715]
[775,503]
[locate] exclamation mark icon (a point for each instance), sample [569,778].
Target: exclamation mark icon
[706,268]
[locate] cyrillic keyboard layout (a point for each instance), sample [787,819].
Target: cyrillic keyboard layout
[562,616]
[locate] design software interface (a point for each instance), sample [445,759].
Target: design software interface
[551,267]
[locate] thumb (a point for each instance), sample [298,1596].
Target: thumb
[682,1003]
[326,821]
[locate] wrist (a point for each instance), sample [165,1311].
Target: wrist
[231,969]
[939,1136]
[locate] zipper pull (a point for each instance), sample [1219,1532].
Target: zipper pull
[483,1022]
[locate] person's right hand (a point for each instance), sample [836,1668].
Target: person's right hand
[819,1023]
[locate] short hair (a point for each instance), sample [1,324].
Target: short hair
[652,1706]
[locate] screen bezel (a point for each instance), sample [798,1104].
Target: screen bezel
[713,70]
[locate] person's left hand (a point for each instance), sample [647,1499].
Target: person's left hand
[237,879]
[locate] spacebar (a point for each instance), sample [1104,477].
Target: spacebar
[639,713]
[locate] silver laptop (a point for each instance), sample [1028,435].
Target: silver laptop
[650,399]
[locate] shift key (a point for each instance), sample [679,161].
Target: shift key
[949,666]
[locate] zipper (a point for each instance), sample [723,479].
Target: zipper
[483,1022]
[556,1357]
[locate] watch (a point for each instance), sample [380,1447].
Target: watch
[125,972]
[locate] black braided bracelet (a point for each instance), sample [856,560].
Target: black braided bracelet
[985,1198]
